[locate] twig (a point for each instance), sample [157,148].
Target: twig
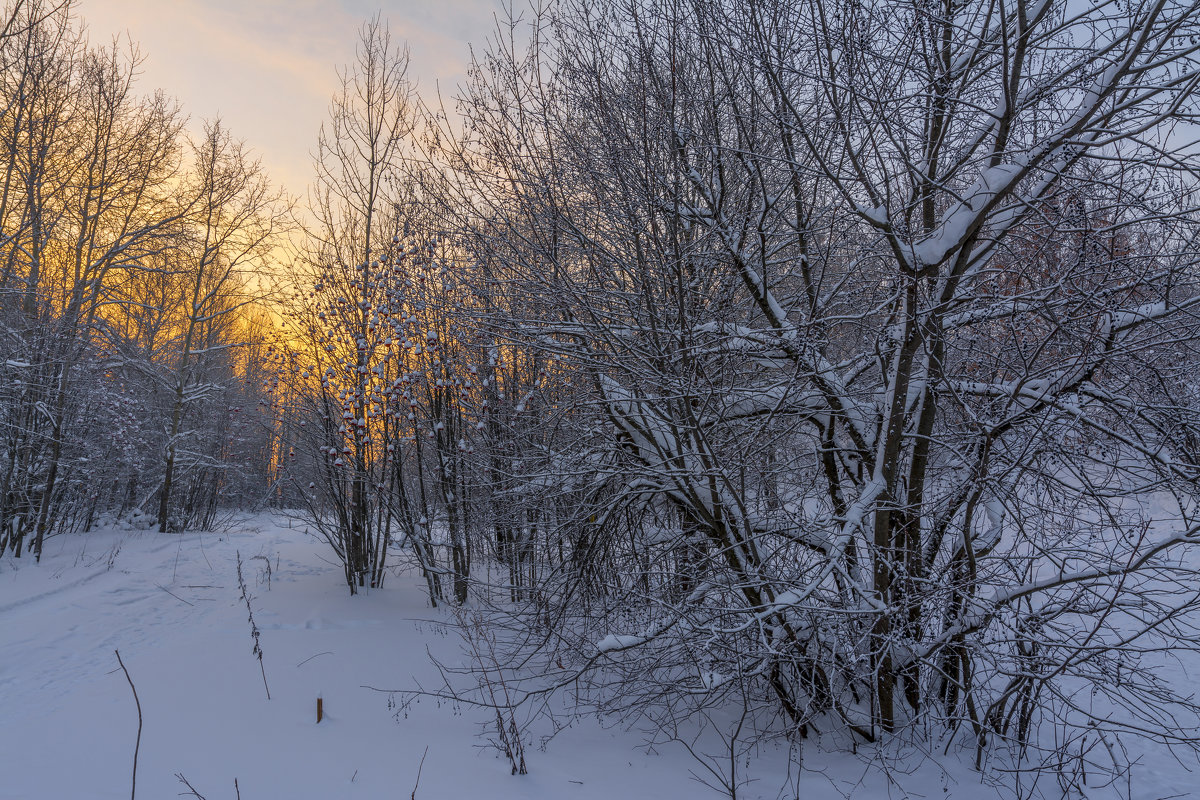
[266,572]
[419,767]
[253,628]
[138,744]
[310,658]
[191,790]
[236,789]
[177,597]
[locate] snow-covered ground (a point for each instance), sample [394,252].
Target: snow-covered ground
[172,606]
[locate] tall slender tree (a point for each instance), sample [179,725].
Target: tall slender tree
[353,249]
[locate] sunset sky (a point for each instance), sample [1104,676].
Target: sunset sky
[268,67]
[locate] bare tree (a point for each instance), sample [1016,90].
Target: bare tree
[99,215]
[353,250]
[91,173]
[882,313]
[234,222]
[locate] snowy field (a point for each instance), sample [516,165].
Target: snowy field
[171,605]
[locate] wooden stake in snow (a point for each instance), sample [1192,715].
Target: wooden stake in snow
[320,709]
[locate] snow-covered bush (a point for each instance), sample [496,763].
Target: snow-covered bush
[873,316]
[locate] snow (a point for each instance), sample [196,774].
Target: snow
[877,215]
[619,642]
[171,605]
[958,221]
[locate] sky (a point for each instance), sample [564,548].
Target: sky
[268,68]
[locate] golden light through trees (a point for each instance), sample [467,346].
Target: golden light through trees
[127,248]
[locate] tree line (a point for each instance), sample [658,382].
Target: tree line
[833,360]
[131,352]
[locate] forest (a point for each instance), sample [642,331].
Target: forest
[833,362]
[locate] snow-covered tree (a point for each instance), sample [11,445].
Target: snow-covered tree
[885,315]
[88,194]
[105,224]
[348,308]
[233,223]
